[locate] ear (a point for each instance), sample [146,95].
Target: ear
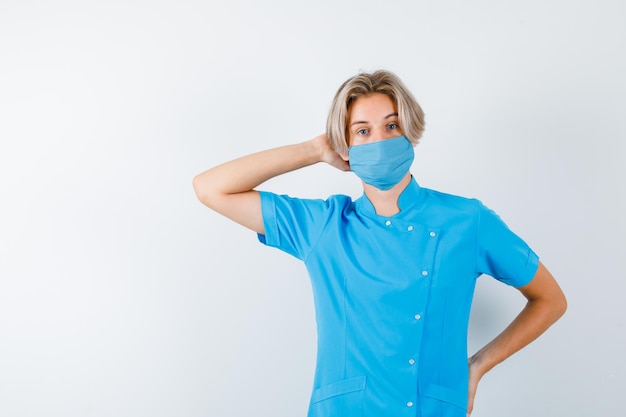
[345,152]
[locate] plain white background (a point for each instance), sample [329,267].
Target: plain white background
[121,295]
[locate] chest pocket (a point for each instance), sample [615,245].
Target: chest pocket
[339,399]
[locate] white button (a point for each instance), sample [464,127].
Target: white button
[418,316]
[424,273]
[409,404]
[411,361]
[433,234]
[409,228]
[388,223]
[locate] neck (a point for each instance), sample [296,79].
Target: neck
[385,202]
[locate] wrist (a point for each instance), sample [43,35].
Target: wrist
[315,149]
[480,362]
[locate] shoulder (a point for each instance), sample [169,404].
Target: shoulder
[451,204]
[466,212]
[338,202]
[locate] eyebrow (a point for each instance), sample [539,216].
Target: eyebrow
[386,117]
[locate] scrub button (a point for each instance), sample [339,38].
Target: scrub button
[409,404]
[432,234]
[411,361]
[418,316]
[409,228]
[388,223]
[424,273]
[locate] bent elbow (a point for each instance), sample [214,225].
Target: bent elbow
[556,306]
[196,184]
[561,305]
[202,190]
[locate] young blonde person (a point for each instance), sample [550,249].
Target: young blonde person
[393,272]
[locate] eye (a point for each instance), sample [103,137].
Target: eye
[392,126]
[361,132]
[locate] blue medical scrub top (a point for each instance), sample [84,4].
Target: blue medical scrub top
[392,295]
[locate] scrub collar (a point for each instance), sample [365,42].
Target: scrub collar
[410,199]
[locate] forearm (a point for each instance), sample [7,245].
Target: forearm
[229,189]
[246,173]
[536,317]
[546,304]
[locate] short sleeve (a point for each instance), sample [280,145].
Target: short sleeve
[501,253]
[293,225]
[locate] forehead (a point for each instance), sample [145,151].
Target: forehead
[372,106]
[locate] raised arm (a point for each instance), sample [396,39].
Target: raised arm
[546,304]
[229,188]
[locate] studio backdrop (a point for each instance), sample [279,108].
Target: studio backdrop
[121,295]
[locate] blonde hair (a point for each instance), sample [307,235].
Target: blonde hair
[410,114]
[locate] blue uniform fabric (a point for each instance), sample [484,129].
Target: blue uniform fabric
[393,294]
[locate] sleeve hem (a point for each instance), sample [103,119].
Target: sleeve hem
[271,237]
[532,264]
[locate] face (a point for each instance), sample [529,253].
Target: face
[373,118]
